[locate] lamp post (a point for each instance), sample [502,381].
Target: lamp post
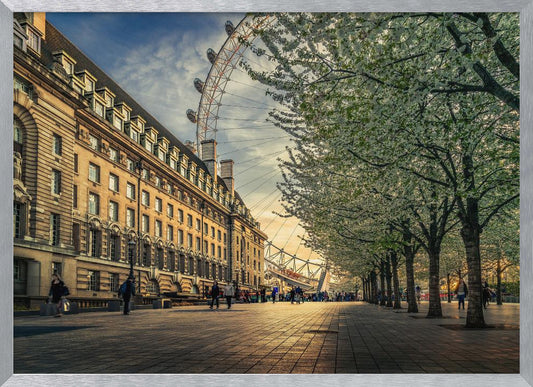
[131,246]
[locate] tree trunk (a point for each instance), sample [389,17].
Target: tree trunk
[373,287]
[470,234]
[396,281]
[382,301]
[448,285]
[499,298]
[435,308]
[388,276]
[409,254]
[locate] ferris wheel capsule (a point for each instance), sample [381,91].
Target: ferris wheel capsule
[229,28]
[191,115]
[211,55]
[199,85]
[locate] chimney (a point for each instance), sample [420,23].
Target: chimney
[226,173]
[209,156]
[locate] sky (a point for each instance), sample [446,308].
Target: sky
[155,57]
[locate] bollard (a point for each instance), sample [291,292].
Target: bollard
[48,309]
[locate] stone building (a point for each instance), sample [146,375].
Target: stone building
[99,181]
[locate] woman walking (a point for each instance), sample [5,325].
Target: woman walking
[57,289]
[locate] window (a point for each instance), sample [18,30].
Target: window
[99,109]
[147,257]
[56,182]
[206,248]
[170,210]
[160,258]
[219,252]
[145,174]
[94,204]
[198,224]
[130,191]
[219,235]
[224,237]
[170,189]
[113,182]
[89,85]
[113,211]
[94,143]
[189,241]
[145,198]
[54,229]
[158,182]
[206,228]
[34,40]
[171,260]
[113,282]
[170,233]
[212,232]
[158,227]
[108,100]
[161,155]
[189,220]
[94,280]
[75,196]
[180,216]
[18,139]
[173,164]
[131,165]
[130,217]
[75,162]
[94,173]
[94,243]
[158,205]
[180,237]
[18,211]
[149,146]
[212,249]
[134,135]
[198,245]
[57,268]
[114,248]
[117,122]
[146,224]
[56,145]
[114,155]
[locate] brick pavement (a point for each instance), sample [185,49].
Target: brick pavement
[344,337]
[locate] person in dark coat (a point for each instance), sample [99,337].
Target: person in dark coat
[57,288]
[126,291]
[215,292]
[293,293]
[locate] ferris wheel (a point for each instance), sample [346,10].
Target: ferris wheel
[218,86]
[222,65]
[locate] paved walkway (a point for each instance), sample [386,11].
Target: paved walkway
[334,337]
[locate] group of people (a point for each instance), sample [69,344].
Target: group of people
[229,293]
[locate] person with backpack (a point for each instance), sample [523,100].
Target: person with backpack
[57,291]
[126,290]
[215,293]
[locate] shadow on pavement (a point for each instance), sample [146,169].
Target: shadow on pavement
[31,330]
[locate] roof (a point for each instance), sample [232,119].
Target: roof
[56,41]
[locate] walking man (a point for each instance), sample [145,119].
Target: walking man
[229,291]
[126,290]
[215,290]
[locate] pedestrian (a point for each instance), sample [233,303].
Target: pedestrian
[263,295]
[126,290]
[418,293]
[462,292]
[57,292]
[486,294]
[273,296]
[293,293]
[229,291]
[215,293]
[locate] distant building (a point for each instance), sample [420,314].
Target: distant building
[94,171]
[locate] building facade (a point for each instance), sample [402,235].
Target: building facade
[98,182]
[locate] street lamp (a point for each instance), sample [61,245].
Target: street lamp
[131,245]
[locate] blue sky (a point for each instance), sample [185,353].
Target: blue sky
[155,57]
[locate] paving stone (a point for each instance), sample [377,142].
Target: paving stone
[268,338]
